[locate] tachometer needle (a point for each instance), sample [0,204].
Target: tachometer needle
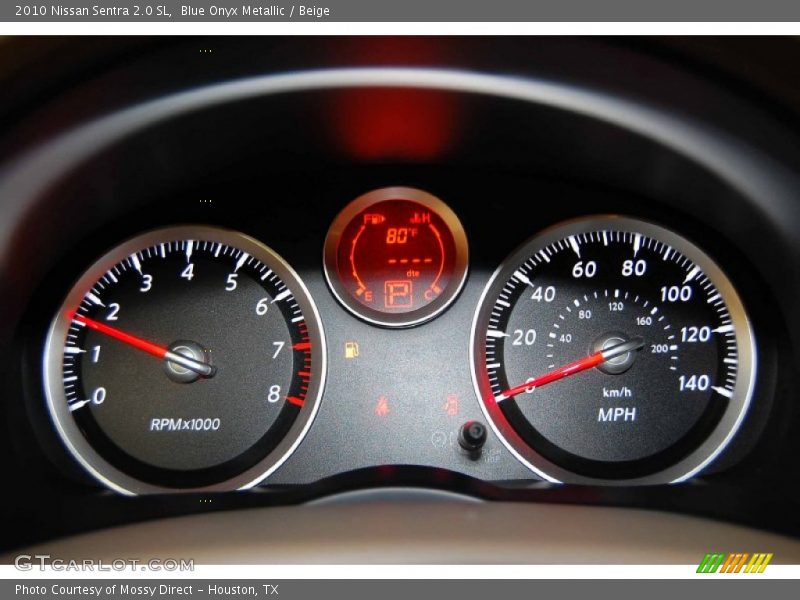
[161,352]
[587,362]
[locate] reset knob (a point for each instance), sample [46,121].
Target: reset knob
[472,436]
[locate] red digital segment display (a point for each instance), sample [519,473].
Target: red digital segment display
[396,256]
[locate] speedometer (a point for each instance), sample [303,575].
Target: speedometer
[609,349]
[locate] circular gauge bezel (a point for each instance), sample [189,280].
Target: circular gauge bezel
[70,434]
[419,315]
[707,450]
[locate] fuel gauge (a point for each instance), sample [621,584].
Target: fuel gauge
[396,256]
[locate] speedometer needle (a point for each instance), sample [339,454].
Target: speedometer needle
[161,352]
[587,362]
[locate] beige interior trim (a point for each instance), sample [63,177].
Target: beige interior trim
[424,533]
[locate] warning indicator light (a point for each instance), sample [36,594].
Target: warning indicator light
[351,350]
[382,406]
[451,405]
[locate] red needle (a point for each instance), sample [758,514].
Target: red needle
[587,362]
[136,342]
[162,352]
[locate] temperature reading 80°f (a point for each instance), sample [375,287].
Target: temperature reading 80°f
[400,235]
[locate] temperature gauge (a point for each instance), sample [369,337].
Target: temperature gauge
[396,256]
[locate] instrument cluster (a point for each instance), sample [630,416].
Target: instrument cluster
[418,326]
[332,270]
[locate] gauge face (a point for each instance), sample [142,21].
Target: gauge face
[396,256]
[187,358]
[610,349]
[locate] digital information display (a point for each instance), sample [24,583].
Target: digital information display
[396,256]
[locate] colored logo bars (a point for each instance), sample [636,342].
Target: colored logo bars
[739,562]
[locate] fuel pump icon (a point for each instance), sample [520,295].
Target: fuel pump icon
[351,350]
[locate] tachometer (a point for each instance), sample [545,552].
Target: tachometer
[186,358]
[610,349]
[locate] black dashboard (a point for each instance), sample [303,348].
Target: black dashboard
[367,246]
